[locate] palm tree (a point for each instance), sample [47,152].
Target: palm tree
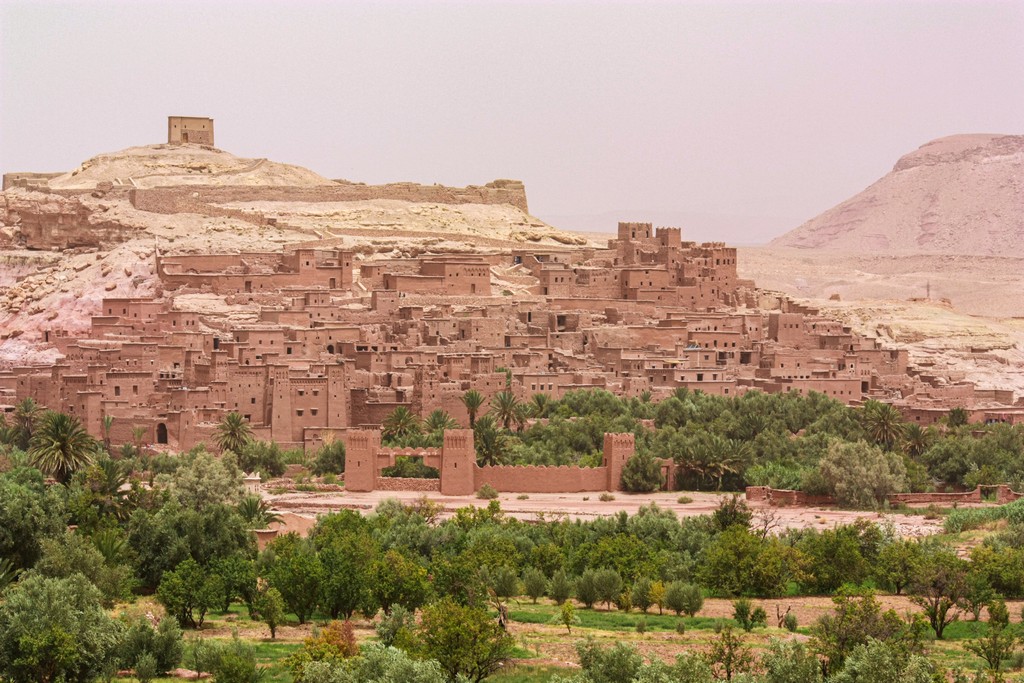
[539,405]
[233,433]
[60,446]
[504,407]
[474,401]
[26,416]
[439,421]
[256,512]
[138,434]
[107,480]
[400,423]
[108,422]
[112,544]
[521,415]
[916,439]
[883,423]
[489,441]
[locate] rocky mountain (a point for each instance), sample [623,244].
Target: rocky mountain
[962,194]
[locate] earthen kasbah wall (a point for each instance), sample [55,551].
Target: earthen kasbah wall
[787,497]
[169,199]
[461,476]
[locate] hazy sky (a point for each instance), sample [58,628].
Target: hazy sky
[741,119]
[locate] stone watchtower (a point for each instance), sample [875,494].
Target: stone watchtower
[184,129]
[458,463]
[618,448]
[361,447]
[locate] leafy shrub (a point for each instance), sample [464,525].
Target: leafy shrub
[683,598]
[145,668]
[606,497]
[680,627]
[411,468]
[684,500]
[560,588]
[396,626]
[790,622]
[236,663]
[641,473]
[586,588]
[641,625]
[487,492]
[535,583]
[330,458]
[162,644]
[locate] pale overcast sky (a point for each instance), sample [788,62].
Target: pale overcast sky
[739,121]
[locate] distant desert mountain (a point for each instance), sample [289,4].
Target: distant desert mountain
[962,194]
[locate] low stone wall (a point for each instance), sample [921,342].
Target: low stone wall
[786,497]
[1004,494]
[406,484]
[928,498]
[540,479]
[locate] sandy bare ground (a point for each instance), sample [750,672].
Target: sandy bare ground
[540,506]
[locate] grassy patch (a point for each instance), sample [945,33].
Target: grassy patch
[611,621]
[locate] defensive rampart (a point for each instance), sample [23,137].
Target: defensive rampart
[177,198]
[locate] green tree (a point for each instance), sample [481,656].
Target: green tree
[586,588]
[26,416]
[620,662]
[330,458]
[295,570]
[398,580]
[898,564]
[270,607]
[503,405]
[789,661]
[72,553]
[256,512]
[236,662]
[401,423]
[60,446]
[233,433]
[188,593]
[29,514]
[490,443]
[883,423]
[238,579]
[561,588]
[608,584]
[347,556]
[474,401]
[996,647]
[642,473]
[535,583]
[640,595]
[684,598]
[202,480]
[465,641]
[860,475]
[163,643]
[54,631]
[729,655]
[439,422]
[940,587]
[856,619]
[378,664]
[881,662]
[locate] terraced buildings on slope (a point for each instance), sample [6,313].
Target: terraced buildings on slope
[309,341]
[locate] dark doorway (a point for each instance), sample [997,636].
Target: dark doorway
[161,433]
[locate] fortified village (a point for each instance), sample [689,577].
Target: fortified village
[315,341]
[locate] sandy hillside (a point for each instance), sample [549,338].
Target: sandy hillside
[161,165]
[962,194]
[978,285]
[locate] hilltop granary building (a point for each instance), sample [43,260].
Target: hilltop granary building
[186,129]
